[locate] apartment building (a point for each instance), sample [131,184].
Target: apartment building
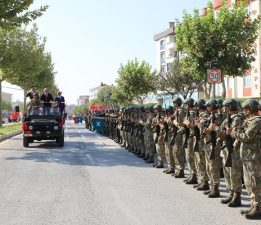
[94,91]
[166,49]
[83,99]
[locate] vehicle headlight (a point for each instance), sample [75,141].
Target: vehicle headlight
[55,127]
[30,127]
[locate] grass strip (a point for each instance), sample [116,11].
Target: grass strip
[10,128]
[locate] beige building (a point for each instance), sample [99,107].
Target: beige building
[83,99]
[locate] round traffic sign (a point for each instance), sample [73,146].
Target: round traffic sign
[214,76]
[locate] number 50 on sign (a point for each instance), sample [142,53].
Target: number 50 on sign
[214,76]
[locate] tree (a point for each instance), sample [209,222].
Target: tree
[14,13]
[177,81]
[120,98]
[135,80]
[104,96]
[6,105]
[228,38]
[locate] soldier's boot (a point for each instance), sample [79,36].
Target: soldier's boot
[215,192]
[228,198]
[146,157]
[150,160]
[170,171]
[197,185]
[236,201]
[203,187]
[137,152]
[159,165]
[180,174]
[185,180]
[245,211]
[192,180]
[254,214]
[141,155]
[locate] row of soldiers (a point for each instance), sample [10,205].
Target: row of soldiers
[207,135]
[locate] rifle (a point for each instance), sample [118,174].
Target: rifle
[174,130]
[228,143]
[213,138]
[196,134]
[185,144]
[157,130]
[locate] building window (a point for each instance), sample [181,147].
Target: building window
[169,67]
[162,57]
[247,80]
[162,70]
[162,44]
[229,82]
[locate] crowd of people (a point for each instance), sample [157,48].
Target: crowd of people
[45,100]
[209,136]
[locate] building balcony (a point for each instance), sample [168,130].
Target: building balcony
[170,59]
[162,47]
[163,60]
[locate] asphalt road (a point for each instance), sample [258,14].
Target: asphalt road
[94,181]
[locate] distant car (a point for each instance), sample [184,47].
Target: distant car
[43,124]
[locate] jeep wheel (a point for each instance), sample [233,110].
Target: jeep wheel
[61,141]
[25,142]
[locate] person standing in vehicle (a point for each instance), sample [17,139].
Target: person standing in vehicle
[60,101]
[46,99]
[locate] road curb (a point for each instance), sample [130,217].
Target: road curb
[6,136]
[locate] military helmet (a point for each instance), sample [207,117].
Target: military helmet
[158,107]
[212,103]
[151,108]
[233,103]
[252,104]
[170,109]
[190,102]
[220,103]
[177,100]
[200,103]
[142,108]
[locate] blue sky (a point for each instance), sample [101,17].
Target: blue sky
[90,39]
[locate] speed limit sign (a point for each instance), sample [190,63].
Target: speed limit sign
[214,76]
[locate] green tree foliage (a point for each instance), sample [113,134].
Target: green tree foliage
[104,96]
[120,98]
[135,80]
[228,38]
[177,81]
[6,105]
[80,109]
[14,13]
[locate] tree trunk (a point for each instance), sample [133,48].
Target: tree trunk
[224,91]
[207,90]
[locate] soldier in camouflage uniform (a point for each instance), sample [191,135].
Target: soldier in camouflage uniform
[202,122]
[179,155]
[157,124]
[167,139]
[148,136]
[212,145]
[233,172]
[189,141]
[250,152]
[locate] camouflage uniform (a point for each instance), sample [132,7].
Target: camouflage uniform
[148,138]
[200,158]
[250,153]
[233,175]
[168,147]
[160,145]
[179,155]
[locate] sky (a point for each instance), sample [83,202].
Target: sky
[89,39]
